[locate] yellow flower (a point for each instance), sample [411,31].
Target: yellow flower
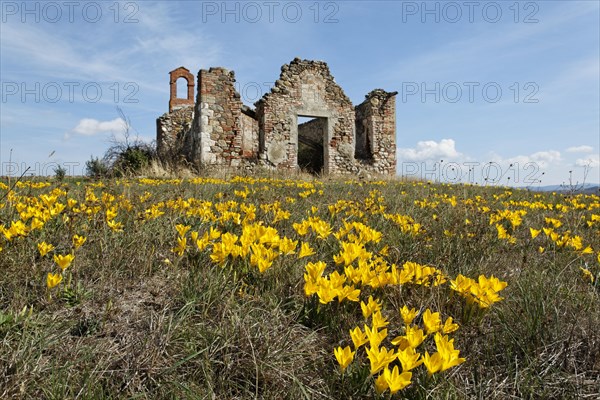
[409,358]
[375,336]
[78,241]
[587,250]
[181,245]
[36,224]
[288,246]
[413,338]
[214,234]
[503,234]
[432,321]
[381,384]
[380,358]
[448,354]
[182,229]
[348,292]
[53,279]
[344,356]
[449,326]
[385,250]
[63,261]
[314,271]
[44,248]
[305,250]
[587,274]
[358,337]
[301,228]
[395,380]
[111,214]
[115,226]
[554,222]
[408,315]
[370,307]
[378,320]
[326,293]
[534,232]
[433,363]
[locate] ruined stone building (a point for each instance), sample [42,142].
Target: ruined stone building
[217,129]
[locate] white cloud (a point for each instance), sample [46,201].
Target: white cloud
[541,158]
[580,149]
[430,150]
[92,127]
[549,156]
[592,161]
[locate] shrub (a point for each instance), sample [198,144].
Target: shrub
[96,168]
[130,159]
[59,173]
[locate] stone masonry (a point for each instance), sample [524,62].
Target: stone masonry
[218,130]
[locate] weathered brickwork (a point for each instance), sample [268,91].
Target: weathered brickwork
[306,88]
[217,123]
[376,131]
[343,139]
[175,101]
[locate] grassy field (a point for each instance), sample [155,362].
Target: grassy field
[266,288]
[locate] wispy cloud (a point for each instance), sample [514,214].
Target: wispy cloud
[592,161]
[543,159]
[118,54]
[580,149]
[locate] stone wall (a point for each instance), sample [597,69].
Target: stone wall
[313,130]
[217,123]
[376,132]
[172,129]
[306,88]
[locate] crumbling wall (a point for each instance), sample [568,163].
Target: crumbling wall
[313,130]
[219,130]
[376,132]
[171,131]
[306,88]
[217,136]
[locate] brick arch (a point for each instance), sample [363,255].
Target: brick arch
[306,88]
[174,101]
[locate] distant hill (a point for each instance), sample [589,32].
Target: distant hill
[588,188]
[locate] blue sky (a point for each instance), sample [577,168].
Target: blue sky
[482,85]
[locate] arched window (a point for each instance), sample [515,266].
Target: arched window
[182,88]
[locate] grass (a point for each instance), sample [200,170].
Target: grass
[134,319]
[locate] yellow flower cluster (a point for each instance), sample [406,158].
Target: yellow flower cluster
[258,244]
[386,363]
[483,292]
